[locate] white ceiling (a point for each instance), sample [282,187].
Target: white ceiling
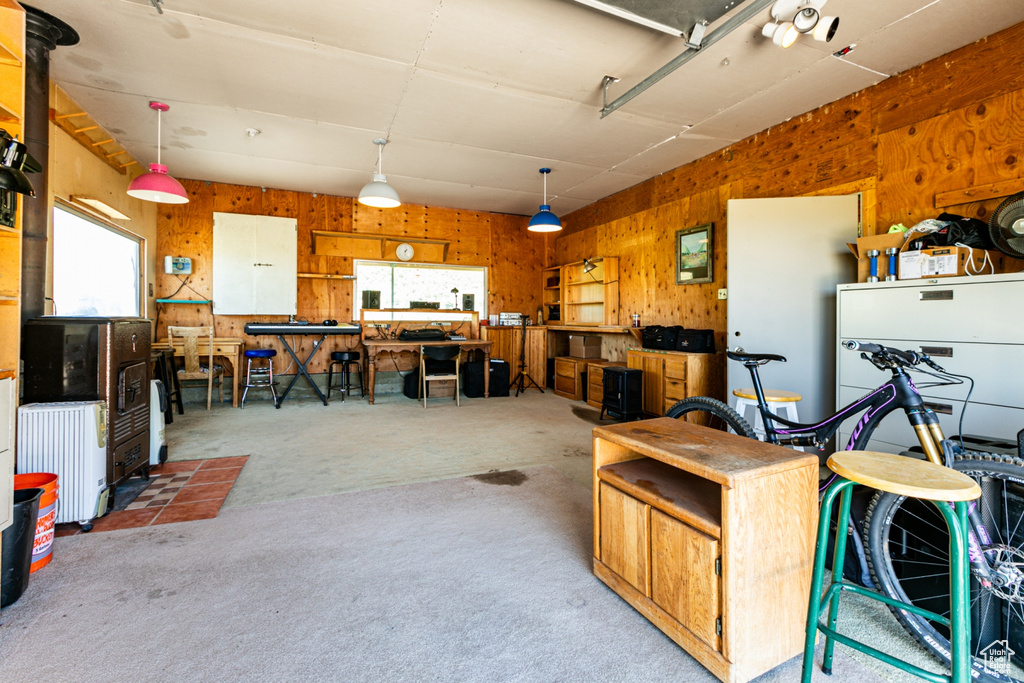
[474,95]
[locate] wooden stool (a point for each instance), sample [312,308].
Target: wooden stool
[905,477]
[782,403]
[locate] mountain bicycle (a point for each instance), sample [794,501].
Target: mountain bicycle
[905,544]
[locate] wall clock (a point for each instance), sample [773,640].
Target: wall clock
[404,251]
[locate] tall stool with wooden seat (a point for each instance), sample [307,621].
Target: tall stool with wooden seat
[782,403]
[347,360]
[950,491]
[260,376]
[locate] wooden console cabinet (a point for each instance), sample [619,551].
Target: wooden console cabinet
[710,536]
[671,376]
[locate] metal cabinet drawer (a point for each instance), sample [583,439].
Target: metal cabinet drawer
[997,370]
[933,310]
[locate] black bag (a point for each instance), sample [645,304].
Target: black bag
[660,337]
[695,341]
[964,230]
[422,334]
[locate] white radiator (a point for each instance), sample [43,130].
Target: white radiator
[69,440]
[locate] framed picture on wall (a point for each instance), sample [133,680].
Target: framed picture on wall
[694,261]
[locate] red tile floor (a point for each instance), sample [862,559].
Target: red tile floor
[184,491]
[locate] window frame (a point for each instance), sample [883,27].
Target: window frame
[100,222]
[357,302]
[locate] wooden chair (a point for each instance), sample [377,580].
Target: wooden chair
[439,353]
[194,370]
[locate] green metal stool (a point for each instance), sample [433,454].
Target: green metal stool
[907,477]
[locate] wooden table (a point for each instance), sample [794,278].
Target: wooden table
[376,347]
[710,536]
[228,348]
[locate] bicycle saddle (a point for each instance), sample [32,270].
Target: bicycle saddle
[759,358]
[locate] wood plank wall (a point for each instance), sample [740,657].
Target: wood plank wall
[952,123]
[513,255]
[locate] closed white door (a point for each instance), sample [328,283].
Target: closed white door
[255,264]
[785,258]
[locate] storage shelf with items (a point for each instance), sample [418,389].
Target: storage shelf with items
[709,536]
[590,292]
[551,293]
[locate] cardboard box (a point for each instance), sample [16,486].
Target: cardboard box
[879,242]
[583,346]
[947,262]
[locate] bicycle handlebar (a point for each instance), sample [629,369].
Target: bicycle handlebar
[908,357]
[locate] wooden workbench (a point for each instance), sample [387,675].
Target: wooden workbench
[375,348]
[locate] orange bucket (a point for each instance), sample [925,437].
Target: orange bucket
[42,546]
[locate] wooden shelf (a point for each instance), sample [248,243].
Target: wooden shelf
[325,276]
[591,297]
[585,303]
[184,301]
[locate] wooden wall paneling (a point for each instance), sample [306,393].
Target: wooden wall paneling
[869,201]
[516,257]
[235,198]
[186,230]
[975,72]
[970,146]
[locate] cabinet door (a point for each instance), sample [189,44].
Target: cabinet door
[654,384]
[255,263]
[684,582]
[624,537]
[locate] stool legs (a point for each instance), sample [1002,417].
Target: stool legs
[269,382]
[959,579]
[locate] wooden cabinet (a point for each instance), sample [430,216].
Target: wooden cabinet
[987,347]
[569,376]
[710,536]
[671,376]
[506,345]
[12,99]
[595,381]
[590,292]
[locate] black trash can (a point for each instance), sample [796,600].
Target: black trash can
[16,551]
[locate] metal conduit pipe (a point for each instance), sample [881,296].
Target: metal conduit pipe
[43,33]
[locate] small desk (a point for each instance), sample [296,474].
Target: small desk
[229,348]
[374,347]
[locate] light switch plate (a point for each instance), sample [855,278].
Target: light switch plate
[723,293]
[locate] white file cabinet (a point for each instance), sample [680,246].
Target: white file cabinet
[971,326]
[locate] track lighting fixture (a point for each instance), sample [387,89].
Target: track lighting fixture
[790,18]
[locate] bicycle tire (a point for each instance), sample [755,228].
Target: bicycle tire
[899,561]
[710,412]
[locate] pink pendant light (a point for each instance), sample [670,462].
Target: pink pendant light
[157,185]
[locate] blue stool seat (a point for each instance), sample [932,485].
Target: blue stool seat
[260,376]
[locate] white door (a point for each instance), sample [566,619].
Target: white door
[785,258]
[255,264]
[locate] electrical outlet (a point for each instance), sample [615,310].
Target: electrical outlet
[723,294]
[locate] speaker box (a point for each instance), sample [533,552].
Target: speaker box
[371,298]
[468,302]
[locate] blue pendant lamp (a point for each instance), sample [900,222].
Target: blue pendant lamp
[544,220]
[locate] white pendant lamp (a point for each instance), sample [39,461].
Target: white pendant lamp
[544,220]
[156,185]
[377,192]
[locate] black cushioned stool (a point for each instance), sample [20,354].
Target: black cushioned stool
[259,376]
[347,360]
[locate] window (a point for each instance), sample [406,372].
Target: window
[402,284]
[96,268]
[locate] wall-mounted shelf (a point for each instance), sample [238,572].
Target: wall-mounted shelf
[379,247]
[591,297]
[184,301]
[325,276]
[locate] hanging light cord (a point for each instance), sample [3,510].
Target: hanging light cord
[159,118]
[545,187]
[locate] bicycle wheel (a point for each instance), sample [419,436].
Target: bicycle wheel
[712,413]
[908,554]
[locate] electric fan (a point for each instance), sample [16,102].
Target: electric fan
[1007,226]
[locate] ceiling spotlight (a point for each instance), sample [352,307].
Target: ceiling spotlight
[783,34]
[377,192]
[806,19]
[790,18]
[826,29]
[588,265]
[156,185]
[544,220]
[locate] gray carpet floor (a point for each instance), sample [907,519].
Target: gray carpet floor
[354,547]
[468,579]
